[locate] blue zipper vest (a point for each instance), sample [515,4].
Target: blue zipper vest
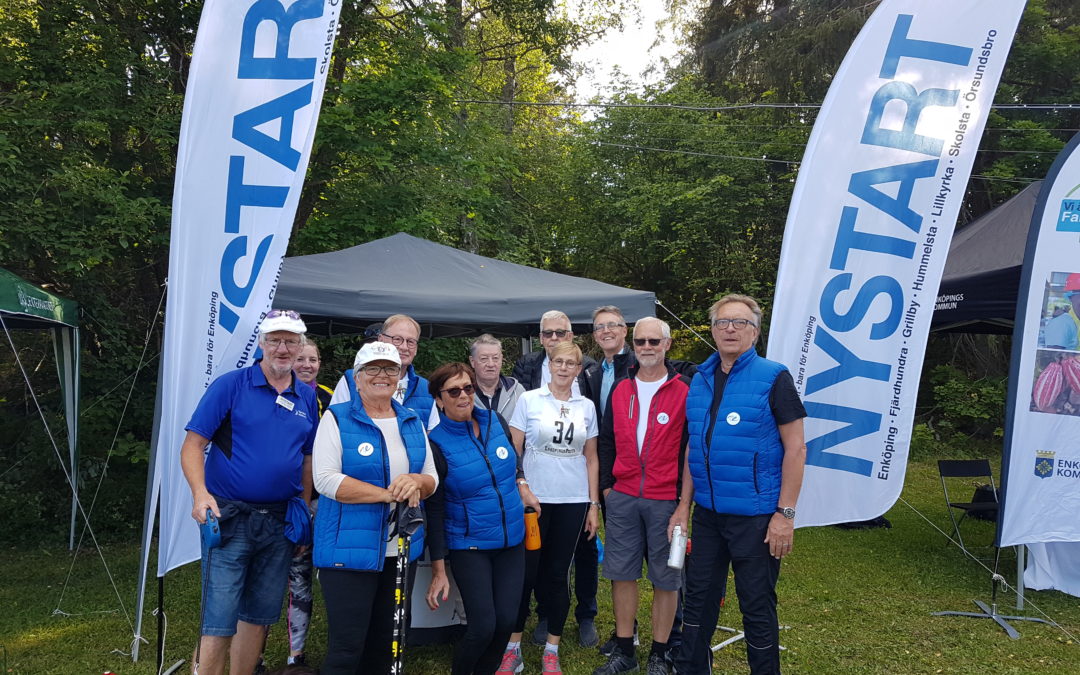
[738,470]
[417,397]
[353,536]
[483,507]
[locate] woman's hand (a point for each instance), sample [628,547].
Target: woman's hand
[405,488]
[440,583]
[592,520]
[528,498]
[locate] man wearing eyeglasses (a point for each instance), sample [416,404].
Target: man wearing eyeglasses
[743,471]
[609,332]
[641,443]
[403,332]
[261,423]
[532,370]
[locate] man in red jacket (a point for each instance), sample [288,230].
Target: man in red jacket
[642,438]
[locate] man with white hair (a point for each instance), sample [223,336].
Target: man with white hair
[494,391]
[532,370]
[641,444]
[260,423]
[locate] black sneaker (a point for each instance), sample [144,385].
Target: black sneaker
[618,662]
[609,646]
[298,660]
[657,665]
[587,636]
[539,634]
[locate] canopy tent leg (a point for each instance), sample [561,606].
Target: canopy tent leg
[150,506]
[66,348]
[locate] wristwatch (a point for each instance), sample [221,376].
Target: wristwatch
[786,511]
[522,481]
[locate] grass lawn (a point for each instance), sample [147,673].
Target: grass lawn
[855,601]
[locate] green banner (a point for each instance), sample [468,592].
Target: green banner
[18,296]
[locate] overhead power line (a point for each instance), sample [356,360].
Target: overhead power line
[743,106]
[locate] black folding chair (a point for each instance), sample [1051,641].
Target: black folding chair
[950,469]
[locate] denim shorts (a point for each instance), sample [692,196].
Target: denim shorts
[244,580]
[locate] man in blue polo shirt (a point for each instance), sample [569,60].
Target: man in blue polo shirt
[260,424]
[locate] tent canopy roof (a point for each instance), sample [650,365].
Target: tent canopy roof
[983,268]
[450,292]
[25,305]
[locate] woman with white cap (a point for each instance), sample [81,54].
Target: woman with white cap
[370,452]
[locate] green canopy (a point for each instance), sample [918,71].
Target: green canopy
[26,306]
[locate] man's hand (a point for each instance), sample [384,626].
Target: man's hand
[780,536]
[202,501]
[680,517]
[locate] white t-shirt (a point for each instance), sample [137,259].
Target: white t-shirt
[555,434]
[342,394]
[645,393]
[545,378]
[326,458]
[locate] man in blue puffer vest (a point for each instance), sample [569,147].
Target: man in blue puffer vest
[403,332]
[744,469]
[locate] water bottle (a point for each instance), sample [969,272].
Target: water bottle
[532,529]
[677,554]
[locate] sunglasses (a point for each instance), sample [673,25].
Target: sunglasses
[653,342]
[275,313]
[456,391]
[556,333]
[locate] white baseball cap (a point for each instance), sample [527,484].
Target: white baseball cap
[282,319]
[376,351]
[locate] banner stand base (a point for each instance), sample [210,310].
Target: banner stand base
[990,612]
[739,635]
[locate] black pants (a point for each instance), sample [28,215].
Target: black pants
[548,569]
[360,619]
[739,540]
[490,585]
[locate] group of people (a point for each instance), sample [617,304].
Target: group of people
[631,441]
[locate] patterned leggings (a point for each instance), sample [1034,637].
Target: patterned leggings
[299,615]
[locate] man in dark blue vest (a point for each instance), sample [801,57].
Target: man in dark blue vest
[743,471]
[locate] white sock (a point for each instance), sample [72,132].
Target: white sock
[554,649]
[513,646]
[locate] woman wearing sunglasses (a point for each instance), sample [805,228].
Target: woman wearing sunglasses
[555,431]
[476,518]
[370,452]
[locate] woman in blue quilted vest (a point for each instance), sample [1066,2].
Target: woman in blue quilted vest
[743,472]
[476,518]
[370,453]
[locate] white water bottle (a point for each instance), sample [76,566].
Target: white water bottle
[677,554]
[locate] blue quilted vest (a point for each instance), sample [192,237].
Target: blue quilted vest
[483,507]
[353,536]
[417,397]
[737,471]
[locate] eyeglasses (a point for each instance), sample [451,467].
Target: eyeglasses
[372,371]
[653,342]
[737,323]
[274,343]
[275,313]
[563,363]
[556,333]
[610,325]
[398,340]
[456,391]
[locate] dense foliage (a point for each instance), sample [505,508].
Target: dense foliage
[429,127]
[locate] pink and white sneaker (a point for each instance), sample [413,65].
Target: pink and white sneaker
[551,663]
[511,663]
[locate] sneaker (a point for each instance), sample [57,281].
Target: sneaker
[587,636]
[618,662]
[511,663]
[539,634]
[298,660]
[608,647]
[657,665]
[551,663]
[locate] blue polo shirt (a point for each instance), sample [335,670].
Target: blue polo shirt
[257,444]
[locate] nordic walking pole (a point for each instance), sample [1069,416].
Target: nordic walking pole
[409,519]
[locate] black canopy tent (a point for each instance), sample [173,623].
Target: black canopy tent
[450,292]
[979,287]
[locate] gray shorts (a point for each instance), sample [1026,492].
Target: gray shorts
[634,527]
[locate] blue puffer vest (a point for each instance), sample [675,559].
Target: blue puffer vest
[353,536]
[738,470]
[483,507]
[416,394]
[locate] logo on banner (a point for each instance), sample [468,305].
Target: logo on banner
[1044,463]
[1069,216]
